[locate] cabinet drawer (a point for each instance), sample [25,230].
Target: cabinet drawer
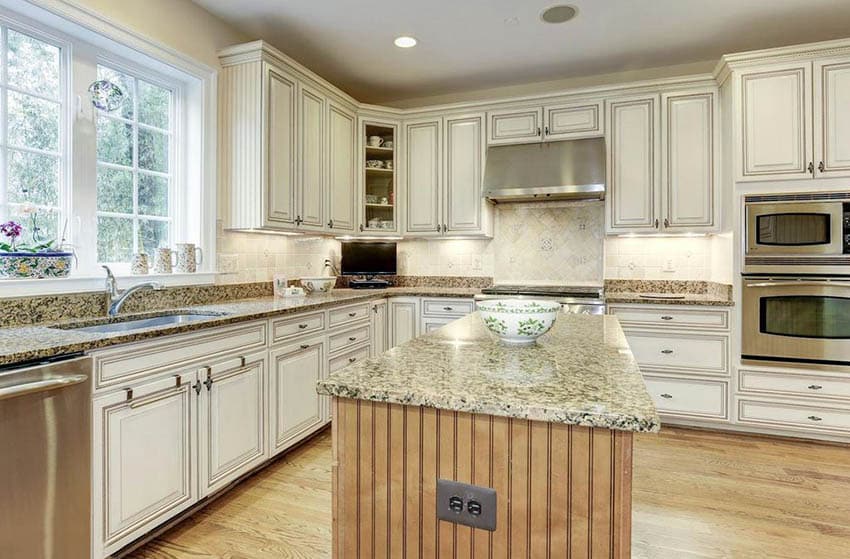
[686,397]
[348,338]
[793,384]
[345,315]
[675,318]
[447,307]
[346,359]
[798,415]
[127,363]
[680,352]
[431,324]
[286,328]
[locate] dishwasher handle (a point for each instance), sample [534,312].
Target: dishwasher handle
[41,385]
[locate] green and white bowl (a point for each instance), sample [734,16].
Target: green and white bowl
[518,321]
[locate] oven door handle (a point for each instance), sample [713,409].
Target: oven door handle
[799,284]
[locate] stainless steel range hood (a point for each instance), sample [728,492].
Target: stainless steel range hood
[566,170]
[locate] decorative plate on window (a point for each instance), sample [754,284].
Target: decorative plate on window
[105,95]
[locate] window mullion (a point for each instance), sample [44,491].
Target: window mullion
[4,62]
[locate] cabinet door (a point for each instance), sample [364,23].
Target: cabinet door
[311,188]
[379,327]
[515,126]
[143,459]
[232,438]
[832,117]
[280,147]
[688,160]
[575,120]
[423,177]
[633,159]
[295,406]
[404,319]
[463,161]
[776,122]
[342,172]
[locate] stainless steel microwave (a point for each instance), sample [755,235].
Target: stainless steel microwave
[806,233]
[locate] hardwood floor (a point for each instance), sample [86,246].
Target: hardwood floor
[697,494]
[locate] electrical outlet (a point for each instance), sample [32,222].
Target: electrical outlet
[466,504]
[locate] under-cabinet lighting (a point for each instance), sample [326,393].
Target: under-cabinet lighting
[657,235]
[368,238]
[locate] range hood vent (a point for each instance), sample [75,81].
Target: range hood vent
[566,170]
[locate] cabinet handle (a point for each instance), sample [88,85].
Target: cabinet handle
[208,383]
[305,346]
[298,220]
[352,359]
[302,326]
[352,314]
[815,387]
[667,396]
[375,308]
[197,388]
[546,130]
[666,351]
[448,309]
[352,338]
[331,224]
[538,131]
[811,168]
[438,228]
[155,396]
[361,227]
[821,167]
[666,222]
[815,418]
[656,223]
[666,317]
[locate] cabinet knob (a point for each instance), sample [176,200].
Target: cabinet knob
[352,338]
[352,359]
[438,228]
[361,227]
[538,131]
[815,387]
[208,383]
[815,418]
[667,351]
[305,346]
[811,167]
[352,314]
[656,223]
[302,326]
[666,222]
[821,167]
[546,130]
[331,224]
[667,396]
[666,317]
[447,308]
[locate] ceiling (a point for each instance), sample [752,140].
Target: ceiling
[467,45]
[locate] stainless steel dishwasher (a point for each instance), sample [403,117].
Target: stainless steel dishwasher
[45,460]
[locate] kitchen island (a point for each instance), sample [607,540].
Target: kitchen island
[548,426]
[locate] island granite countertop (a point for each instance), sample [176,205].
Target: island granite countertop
[29,343]
[581,372]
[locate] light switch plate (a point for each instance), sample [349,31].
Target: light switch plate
[484,497]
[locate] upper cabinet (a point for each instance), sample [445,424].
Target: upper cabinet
[443,177]
[662,162]
[537,124]
[793,120]
[286,147]
[379,214]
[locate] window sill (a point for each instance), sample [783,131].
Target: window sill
[80,284]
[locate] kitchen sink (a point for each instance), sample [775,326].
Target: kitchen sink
[142,323]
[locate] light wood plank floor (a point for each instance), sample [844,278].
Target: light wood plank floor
[697,494]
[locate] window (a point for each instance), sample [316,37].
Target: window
[134,169]
[32,144]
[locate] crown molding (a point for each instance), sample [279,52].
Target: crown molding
[728,62]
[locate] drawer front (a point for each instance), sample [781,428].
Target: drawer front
[681,352]
[287,328]
[346,315]
[346,359]
[797,415]
[132,362]
[688,398]
[431,324]
[447,307]
[349,338]
[675,318]
[793,384]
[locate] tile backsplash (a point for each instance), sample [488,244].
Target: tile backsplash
[669,258]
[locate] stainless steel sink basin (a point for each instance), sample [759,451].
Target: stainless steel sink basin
[142,323]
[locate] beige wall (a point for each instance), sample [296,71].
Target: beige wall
[179,24]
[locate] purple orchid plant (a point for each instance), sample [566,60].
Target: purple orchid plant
[13,230]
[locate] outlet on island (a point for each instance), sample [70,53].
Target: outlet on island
[466,504]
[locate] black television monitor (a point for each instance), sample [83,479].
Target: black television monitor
[368,259]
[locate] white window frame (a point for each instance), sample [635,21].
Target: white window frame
[91,38]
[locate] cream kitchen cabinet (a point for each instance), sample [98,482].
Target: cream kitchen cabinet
[794,120]
[296,408]
[580,119]
[663,163]
[342,169]
[380,327]
[444,173]
[403,315]
[144,465]
[310,199]
[232,414]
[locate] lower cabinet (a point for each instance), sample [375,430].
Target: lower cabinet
[144,469]
[296,408]
[403,319]
[231,420]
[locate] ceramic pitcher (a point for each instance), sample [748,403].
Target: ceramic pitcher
[163,261]
[189,257]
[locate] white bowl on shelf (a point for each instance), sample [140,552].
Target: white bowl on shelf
[518,321]
[324,284]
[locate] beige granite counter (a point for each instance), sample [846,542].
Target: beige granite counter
[580,373]
[50,340]
[704,299]
[669,292]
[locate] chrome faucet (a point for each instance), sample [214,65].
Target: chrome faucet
[329,264]
[116,298]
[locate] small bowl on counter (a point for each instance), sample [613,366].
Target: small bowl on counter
[324,284]
[518,321]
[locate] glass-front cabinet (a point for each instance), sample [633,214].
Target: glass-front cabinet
[378,177]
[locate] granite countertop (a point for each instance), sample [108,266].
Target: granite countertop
[50,340]
[581,373]
[705,299]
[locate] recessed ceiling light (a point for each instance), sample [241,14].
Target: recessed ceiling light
[405,42]
[558,14]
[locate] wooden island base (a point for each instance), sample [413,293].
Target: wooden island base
[563,491]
